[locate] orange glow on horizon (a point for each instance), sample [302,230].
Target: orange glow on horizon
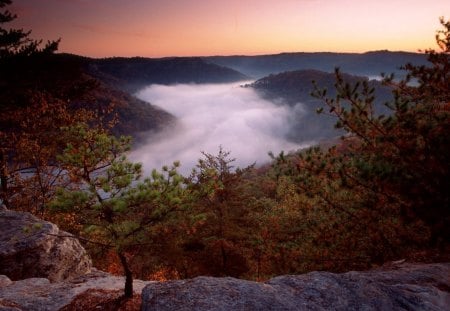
[157,28]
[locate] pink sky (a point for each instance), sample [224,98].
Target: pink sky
[157,28]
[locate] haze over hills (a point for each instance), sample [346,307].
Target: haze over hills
[125,76]
[133,74]
[234,174]
[213,115]
[366,64]
[117,79]
[297,125]
[276,113]
[120,78]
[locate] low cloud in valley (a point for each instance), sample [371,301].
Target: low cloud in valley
[213,115]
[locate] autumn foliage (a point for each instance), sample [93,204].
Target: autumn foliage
[381,193]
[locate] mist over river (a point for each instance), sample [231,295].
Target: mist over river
[210,116]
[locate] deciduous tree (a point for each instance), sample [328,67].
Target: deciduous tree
[34,104]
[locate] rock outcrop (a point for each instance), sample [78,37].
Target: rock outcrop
[43,268]
[397,287]
[33,248]
[38,294]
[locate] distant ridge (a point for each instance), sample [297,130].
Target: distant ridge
[367,64]
[131,74]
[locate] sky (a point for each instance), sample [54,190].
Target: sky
[160,28]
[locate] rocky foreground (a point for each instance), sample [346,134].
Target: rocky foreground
[39,294]
[30,282]
[398,287]
[31,247]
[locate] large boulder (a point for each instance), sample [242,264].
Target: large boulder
[33,248]
[397,287]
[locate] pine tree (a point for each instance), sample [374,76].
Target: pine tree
[108,198]
[397,165]
[222,204]
[17,42]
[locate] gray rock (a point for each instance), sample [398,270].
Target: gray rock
[38,294]
[4,280]
[396,287]
[33,248]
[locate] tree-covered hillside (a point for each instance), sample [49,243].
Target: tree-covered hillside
[105,82]
[131,74]
[294,88]
[65,77]
[381,193]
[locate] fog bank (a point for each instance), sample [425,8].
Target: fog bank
[213,115]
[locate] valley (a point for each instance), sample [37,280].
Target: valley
[134,179]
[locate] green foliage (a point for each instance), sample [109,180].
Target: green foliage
[380,194]
[214,235]
[108,197]
[394,168]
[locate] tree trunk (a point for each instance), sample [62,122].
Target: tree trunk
[128,290]
[4,179]
[224,259]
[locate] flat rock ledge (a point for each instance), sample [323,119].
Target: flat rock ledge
[395,287]
[31,247]
[39,294]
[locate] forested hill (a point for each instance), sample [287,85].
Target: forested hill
[130,74]
[121,77]
[69,77]
[367,64]
[294,88]
[97,83]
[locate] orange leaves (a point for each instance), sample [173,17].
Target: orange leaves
[164,274]
[112,263]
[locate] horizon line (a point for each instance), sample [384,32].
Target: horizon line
[246,55]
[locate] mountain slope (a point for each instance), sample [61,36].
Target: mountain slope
[121,77]
[131,74]
[97,83]
[294,88]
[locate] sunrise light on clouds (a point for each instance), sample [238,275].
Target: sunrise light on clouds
[159,28]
